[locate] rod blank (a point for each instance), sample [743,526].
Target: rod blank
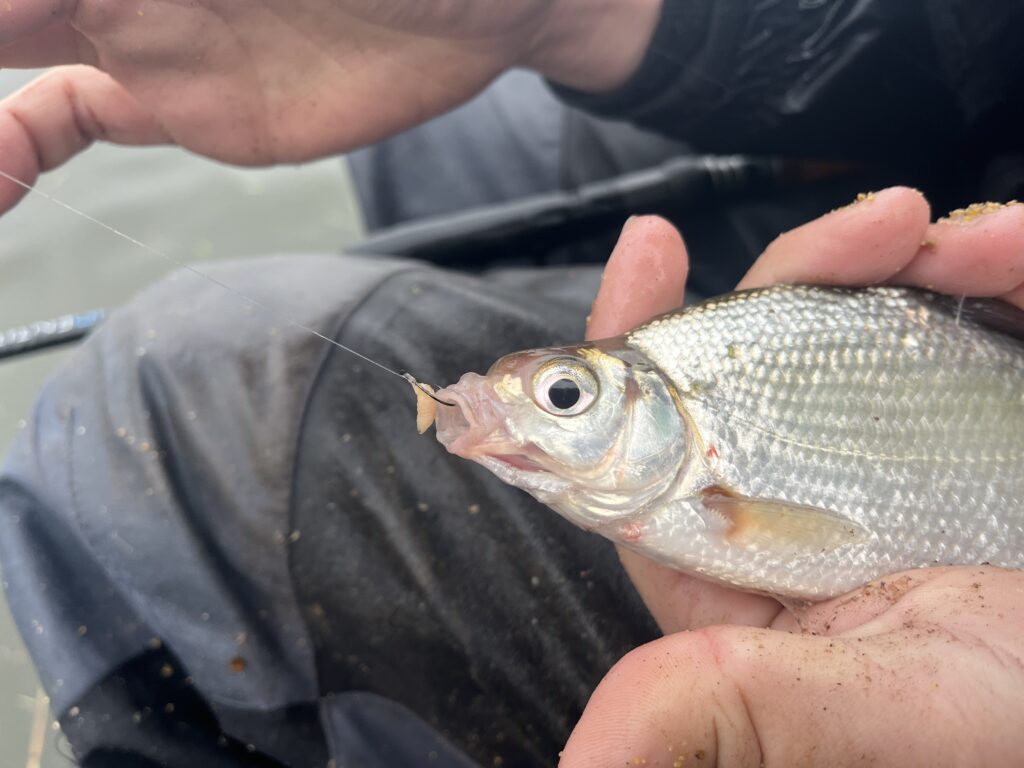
[45,334]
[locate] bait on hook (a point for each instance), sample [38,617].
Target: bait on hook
[426,403]
[426,389]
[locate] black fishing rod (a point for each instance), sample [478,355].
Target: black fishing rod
[508,229]
[553,219]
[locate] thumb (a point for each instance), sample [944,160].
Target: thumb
[646,276]
[741,696]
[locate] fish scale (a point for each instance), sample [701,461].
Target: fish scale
[881,406]
[796,441]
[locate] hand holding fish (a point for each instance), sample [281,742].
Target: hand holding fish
[885,238]
[257,84]
[920,668]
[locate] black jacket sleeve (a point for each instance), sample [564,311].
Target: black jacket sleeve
[872,79]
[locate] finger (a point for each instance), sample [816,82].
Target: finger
[19,20]
[645,276]
[866,242]
[852,612]
[679,602]
[61,113]
[52,45]
[743,696]
[975,252]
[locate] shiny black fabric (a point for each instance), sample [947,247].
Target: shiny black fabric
[932,87]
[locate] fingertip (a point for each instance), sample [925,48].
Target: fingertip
[912,199]
[907,206]
[977,251]
[652,226]
[645,276]
[863,243]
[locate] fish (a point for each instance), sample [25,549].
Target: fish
[796,441]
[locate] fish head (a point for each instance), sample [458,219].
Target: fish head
[593,431]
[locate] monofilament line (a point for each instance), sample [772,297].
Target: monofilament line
[184,265]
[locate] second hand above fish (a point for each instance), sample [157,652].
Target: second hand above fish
[795,441]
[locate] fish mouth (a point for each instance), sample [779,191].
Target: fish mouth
[521,461]
[471,421]
[475,429]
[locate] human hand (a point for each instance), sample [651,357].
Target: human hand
[283,81]
[925,667]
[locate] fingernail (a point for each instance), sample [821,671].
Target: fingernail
[975,211]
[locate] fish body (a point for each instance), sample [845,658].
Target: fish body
[796,441]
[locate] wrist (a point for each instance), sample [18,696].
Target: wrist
[594,45]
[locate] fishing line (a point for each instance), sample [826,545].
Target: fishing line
[277,315]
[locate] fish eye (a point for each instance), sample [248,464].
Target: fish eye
[564,387]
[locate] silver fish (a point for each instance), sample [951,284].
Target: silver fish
[795,441]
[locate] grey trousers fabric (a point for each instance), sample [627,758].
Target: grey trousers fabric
[204,482]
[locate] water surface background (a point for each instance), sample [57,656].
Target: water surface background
[53,263]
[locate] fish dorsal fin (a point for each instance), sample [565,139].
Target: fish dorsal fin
[779,526]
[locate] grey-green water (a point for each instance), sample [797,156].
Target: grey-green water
[52,262]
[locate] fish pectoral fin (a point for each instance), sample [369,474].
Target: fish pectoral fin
[767,524]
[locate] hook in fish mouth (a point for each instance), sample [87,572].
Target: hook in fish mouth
[475,430]
[424,389]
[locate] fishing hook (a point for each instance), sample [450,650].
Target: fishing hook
[412,380]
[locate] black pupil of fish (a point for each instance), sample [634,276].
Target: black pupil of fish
[564,394]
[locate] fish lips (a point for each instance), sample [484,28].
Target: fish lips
[475,429]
